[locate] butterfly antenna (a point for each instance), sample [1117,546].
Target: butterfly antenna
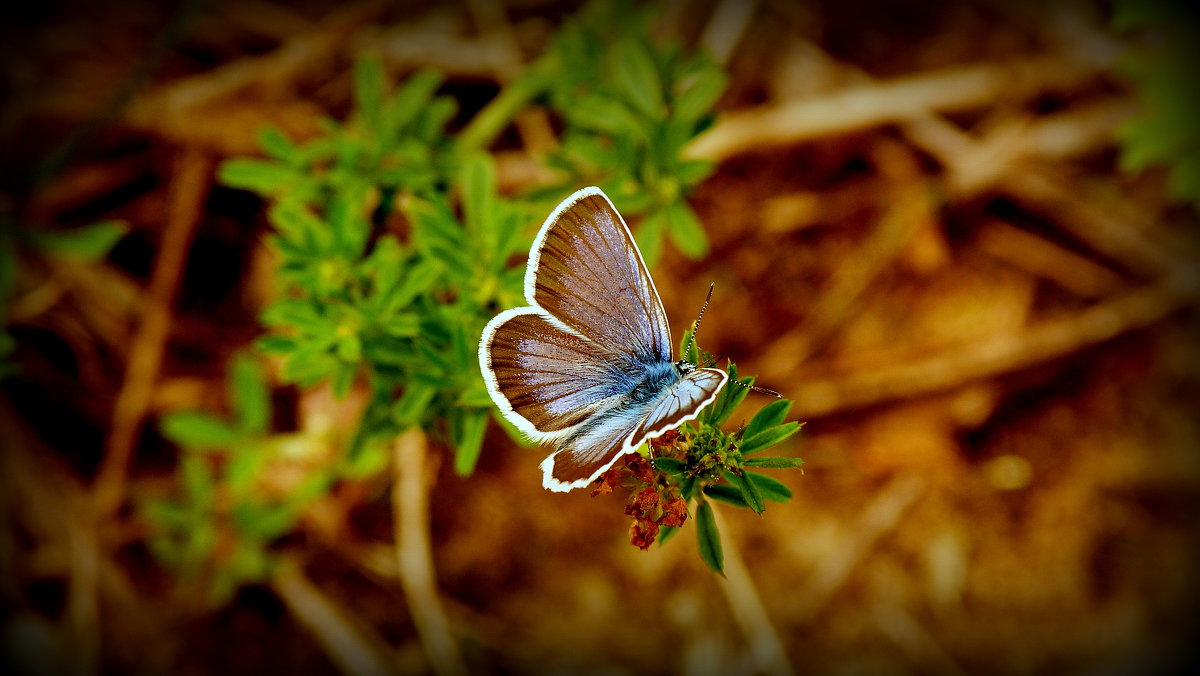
[696,324]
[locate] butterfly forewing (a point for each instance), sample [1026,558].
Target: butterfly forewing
[586,271]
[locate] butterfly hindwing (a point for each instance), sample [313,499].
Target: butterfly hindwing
[695,390]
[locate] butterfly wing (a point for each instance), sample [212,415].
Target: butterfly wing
[591,449]
[586,271]
[544,377]
[697,389]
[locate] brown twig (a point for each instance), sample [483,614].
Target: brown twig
[350,644]
[188,189]
[991,356]
[1047,260]
[410,512]
[873,104]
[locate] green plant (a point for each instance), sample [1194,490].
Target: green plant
[630,108]
[241,489]
[394,248]
[401,309]
[701,462]
[1164,132]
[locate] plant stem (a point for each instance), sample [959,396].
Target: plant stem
[410,509]
[488,122]
[354,649]
[748,611]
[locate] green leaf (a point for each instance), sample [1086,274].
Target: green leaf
[770,488]
[768,416]
[275,344]
[708,539]
[650,234]
[264,177]
[777,462]
[369,84]
[411,406]
[686,232]
[750,493]
[666,533]
[669,465]
[412,97]
[637,76]
[250,394]
[727,494]
[478,179]
[768,438]
[700,94]
[198,484]
[469,441]
[732,396]
[89,243]
[198,430]
[277,144]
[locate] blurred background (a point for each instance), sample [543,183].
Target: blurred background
[958,236]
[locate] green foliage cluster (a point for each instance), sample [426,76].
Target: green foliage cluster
[217,531]
[630,108]
[402,310]
[394,248]
[715,465]
[1165,131]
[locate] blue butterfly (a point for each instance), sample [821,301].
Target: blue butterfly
[587,364]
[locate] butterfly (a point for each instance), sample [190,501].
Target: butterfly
[587,364]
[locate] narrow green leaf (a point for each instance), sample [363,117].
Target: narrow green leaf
[687,487]
[197,479]
[649,236]
[732,396]
[768,438]
[477,177]
[250,394]
[727,494]
[669,465]
[686,232]
[708,539]
[777,462]
[275,344]
[264,177]
[419,279]
[89,243]
[700,94]
[277,144]
[750,492]
[469,442]
[369,84]
[412,96]
[666,533]
[770,488]
[411,405]
[637,76]
[198,430]
[768,416]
